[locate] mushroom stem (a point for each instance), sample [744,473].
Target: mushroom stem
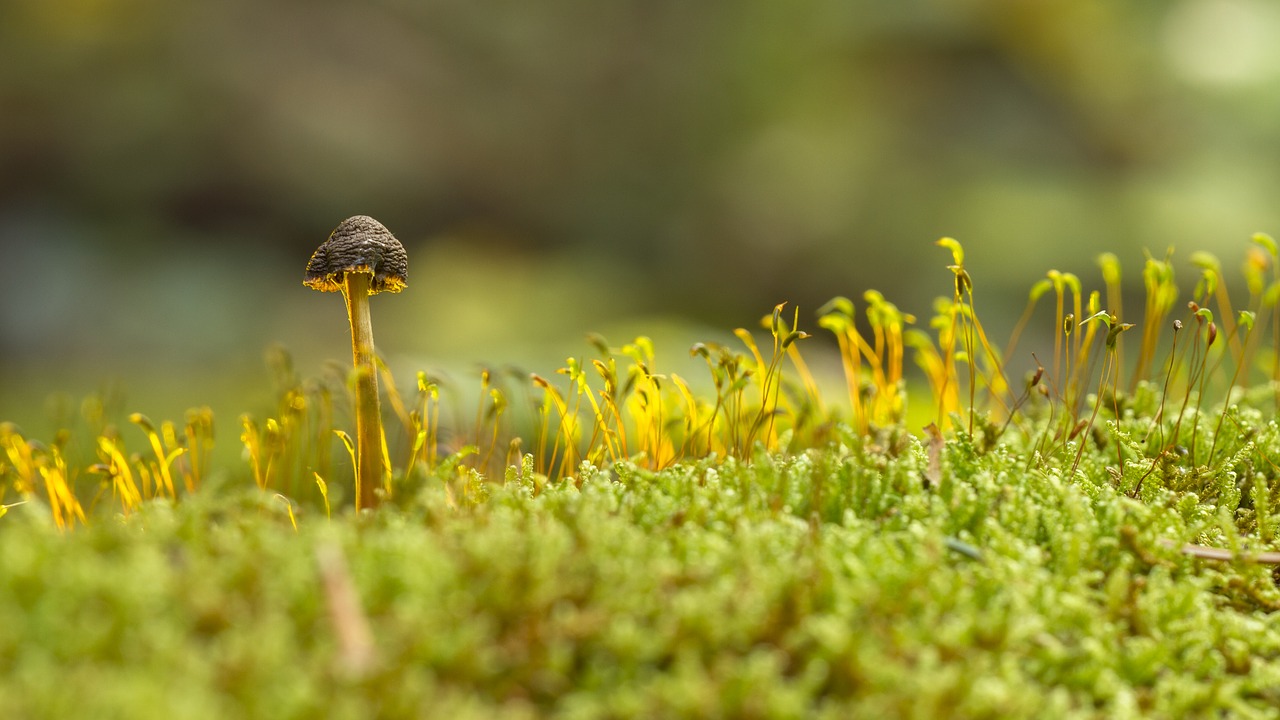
[362,258]
[355,289]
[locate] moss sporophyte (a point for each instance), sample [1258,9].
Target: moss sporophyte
[361,258]
[1095,539]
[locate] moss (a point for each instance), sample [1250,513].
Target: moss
[695,591]
[657,554]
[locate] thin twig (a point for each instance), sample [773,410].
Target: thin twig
[356,654]
[1204,552]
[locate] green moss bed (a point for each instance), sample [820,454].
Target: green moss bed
[876,577]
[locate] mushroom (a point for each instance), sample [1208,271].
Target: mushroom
[361,258]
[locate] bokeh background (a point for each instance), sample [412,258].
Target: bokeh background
[556,168]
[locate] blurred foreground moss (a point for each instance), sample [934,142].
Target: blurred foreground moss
[834,583]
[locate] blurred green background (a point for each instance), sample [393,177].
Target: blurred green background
[558,167]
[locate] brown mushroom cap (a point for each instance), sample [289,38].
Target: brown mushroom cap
[359,244]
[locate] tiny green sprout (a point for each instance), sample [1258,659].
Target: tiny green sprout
[1246,319]
[597,341]
[1272,294]
[957,251]
[1110,265]
[1206,261]
[1207,285]
[836,316]
[835,323]
[1103,316]
[1039,289]
[1114,332]
[324,494]
[143,422]
[1267,242]
[792,337]
[639,350]
[571,368]
[607,372]
[499,402]
[1072,282]
[838,305]
[1255,267]
[1157,276]
[164,459]
[288,504]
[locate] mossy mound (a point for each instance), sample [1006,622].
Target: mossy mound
[861,580]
